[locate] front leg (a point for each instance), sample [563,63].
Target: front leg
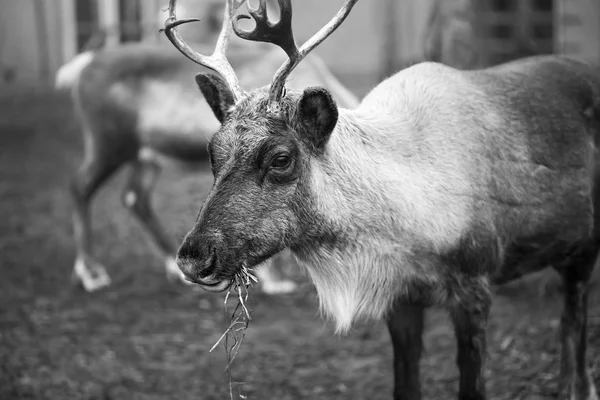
[137,197]
[469,311]
[405,325]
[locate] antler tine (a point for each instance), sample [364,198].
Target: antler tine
[284,71]
[231,7]
[281,34]
[218,60]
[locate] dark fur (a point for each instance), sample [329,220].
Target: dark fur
[217,94]
[252,177]
[318,114]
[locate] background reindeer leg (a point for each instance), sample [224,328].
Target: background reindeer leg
[94,171]
[469,312]
[137,198]
[270,275]
[575,381]
[405,325]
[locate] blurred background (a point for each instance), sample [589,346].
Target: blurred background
[143,338]
[378,38]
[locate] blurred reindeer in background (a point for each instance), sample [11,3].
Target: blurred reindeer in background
[439,182]
[137,104]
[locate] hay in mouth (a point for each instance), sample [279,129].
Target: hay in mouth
[239,320]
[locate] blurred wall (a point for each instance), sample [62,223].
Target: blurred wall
[377,38]
[577,24]
[31,45]
[356,50]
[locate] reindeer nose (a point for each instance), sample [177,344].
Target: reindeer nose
[196,259]
[187,267]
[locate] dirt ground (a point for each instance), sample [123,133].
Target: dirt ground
[143,338]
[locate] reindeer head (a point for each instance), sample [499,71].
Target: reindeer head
[261,157]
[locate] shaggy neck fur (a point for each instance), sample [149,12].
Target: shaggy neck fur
[377,203]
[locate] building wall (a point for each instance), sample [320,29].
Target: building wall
[577,25]
[30,49]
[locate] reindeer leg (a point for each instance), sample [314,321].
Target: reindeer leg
[137,198]
[469,313]
[92,174]
[575,382]
[270,280]
[405,325]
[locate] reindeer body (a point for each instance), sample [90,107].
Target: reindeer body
[138,105]
[492,170]
[438,183]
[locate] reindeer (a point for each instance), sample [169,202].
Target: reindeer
[438,183]
[135,105]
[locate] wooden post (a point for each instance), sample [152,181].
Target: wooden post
[68,26]
[390,37]
[108,11]
[41,30]
[151,20]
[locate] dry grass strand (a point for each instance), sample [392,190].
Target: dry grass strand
[239,320]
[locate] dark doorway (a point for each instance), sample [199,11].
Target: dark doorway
[130,20]
[88,22]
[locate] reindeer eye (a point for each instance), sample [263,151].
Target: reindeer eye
[281,162]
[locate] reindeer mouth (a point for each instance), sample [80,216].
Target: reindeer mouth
[244,276]
[213,286]
[211,282]
[215,278]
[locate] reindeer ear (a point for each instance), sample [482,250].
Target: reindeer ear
[318,114]
[217,94]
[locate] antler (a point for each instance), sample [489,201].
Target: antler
[218,60]
[281,35]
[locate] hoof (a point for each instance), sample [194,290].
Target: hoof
[567,396]
[174,274]
[593,393]
[279,287]
[91,275]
